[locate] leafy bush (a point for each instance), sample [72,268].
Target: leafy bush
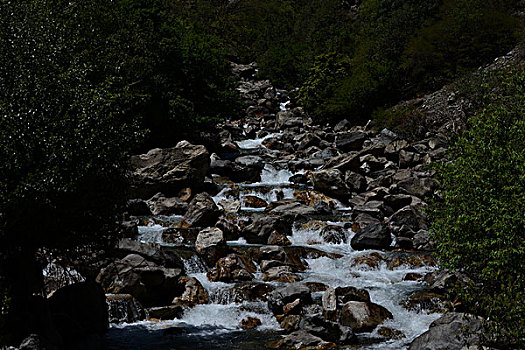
[479,223]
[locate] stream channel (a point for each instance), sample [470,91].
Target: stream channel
[216,325]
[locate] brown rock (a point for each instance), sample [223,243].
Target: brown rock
[193,292]
[363,316]
[250,322]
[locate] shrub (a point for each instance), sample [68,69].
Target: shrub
[479,223]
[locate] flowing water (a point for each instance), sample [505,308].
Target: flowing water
[216,325]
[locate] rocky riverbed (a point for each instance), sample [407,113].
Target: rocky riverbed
[283,234]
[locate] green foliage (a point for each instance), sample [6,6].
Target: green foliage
[479,223]
[180,70]
[64,129]
[318,87]
[285,36]
[466,34]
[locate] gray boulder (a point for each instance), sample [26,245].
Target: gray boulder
[373,236]
[450,333]
[363,316]
[330,182]
[168,170]
[282,296]
[211,245]
[202,212]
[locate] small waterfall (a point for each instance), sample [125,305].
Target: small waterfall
[123,308]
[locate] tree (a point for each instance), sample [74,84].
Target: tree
[479,223]
[64,134]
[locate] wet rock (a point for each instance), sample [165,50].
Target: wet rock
[169,312]
[363,316]
[138,207]
[453,331]
[282,296]
[124,308]
[418,187]
[295,307]
[327,330]
[250,162]
[330,182]
[229,205]
[79,310]
[310,198]
[390,333]
[342,125]
[375,209]
[408,220]
[373,236]
[371,260]
[445,280]
[254,202]
[427,301]
[180,236]
[292,118]
[329,304]
[334,234]
[150,251]
[404,243]
[300,340]
[250,322]
[149,283]
[362,220]
[316,286]
[235,171]
[298,179]
[211,245]
[350,141]
[160,205]
[423,241]
[398,201]
[283,274]
[193,292]
[346,294]
[230,268]
[34,342]
[412,276]
[270,253]
[229,228]
[411,261]
[168,170]
[251,291]
[277,238]
[356,182]
[202,212]
[260,229]
[289,323]
[291,207]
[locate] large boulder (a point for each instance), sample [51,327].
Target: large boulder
[291,118]
[350,141]
[79,311]
[327,330]
[168,170]
[453,331]
[373,236]
[282,296]
[330,182]
[363,316]
[162,205]
[202,212]
[303,340]
[151,284]
[193,293]
[211,245]
[259,231]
